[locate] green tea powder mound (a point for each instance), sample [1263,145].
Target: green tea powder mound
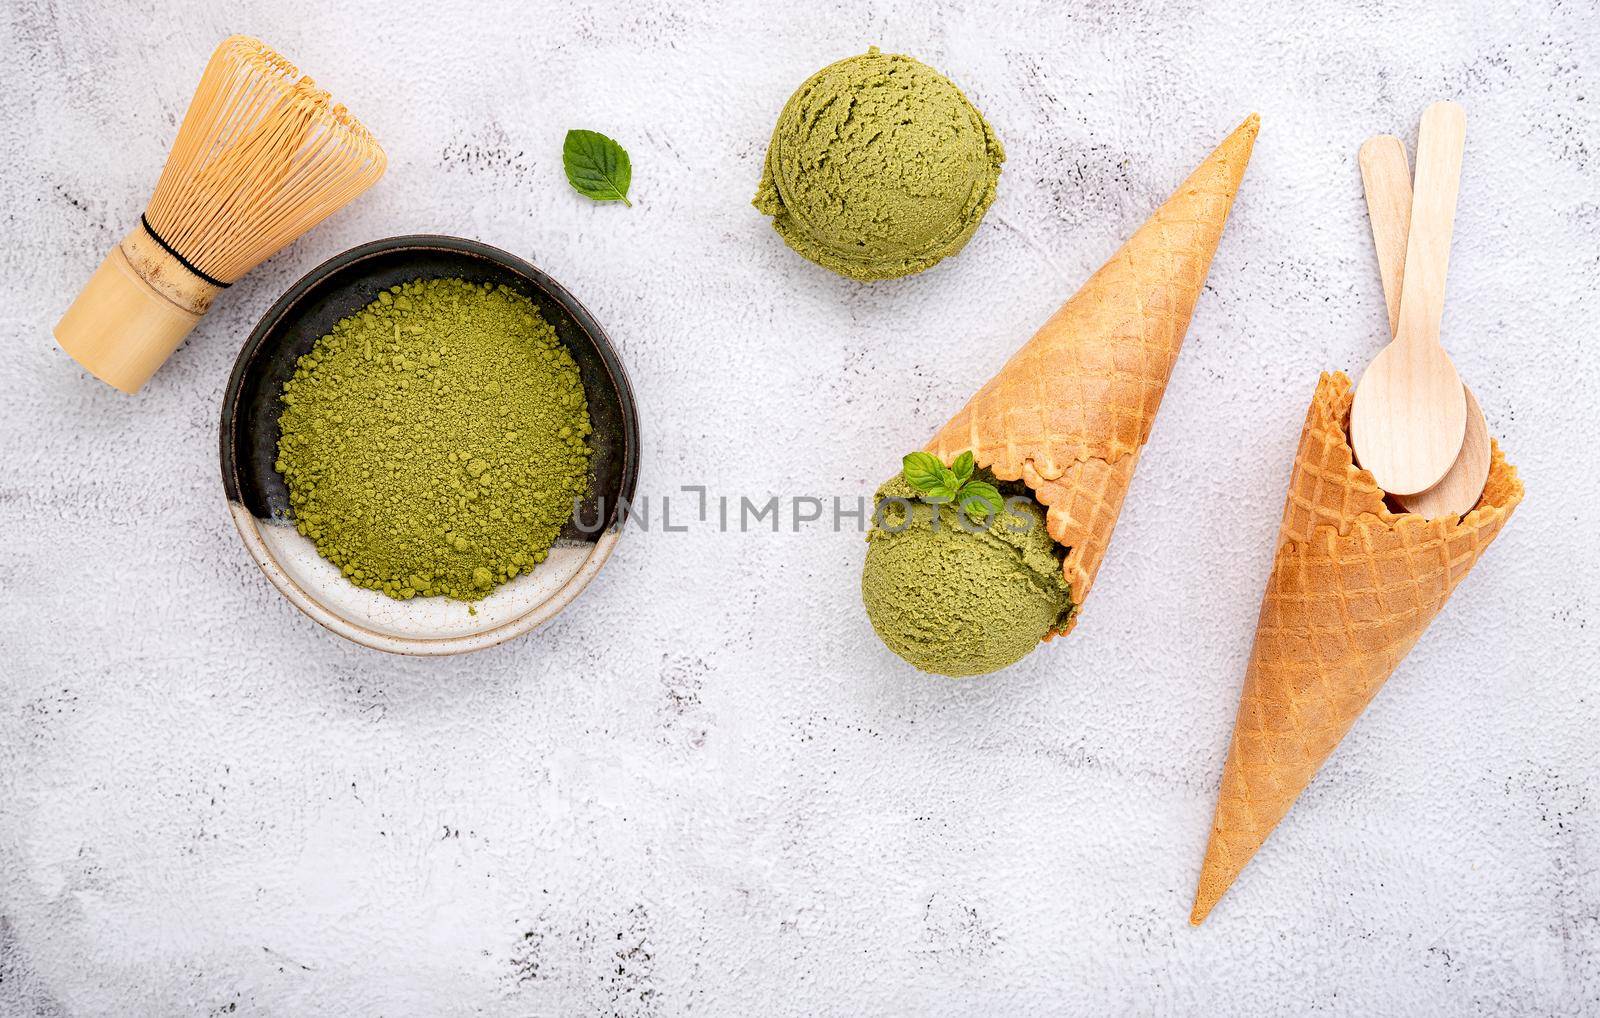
[434,442]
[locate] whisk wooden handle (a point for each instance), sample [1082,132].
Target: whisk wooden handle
[134,311]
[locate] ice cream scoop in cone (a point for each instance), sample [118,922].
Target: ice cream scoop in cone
[1353,586]
[1069,413]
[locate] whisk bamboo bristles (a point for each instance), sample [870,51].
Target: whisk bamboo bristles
[263,155]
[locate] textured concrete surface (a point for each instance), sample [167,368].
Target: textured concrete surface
[706,788]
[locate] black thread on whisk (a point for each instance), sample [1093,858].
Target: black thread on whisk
[169,249]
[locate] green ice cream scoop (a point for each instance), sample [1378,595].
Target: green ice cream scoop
[879,167]
[957,602]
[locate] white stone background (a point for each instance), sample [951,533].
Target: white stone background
[706,788]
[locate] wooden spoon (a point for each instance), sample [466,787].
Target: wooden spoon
[1388,184]
[1409,417]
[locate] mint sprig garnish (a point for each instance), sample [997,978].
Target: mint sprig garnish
[942,484]
[597,167]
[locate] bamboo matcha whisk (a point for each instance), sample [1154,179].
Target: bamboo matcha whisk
[263,156]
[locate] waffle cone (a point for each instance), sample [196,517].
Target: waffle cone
[1070,411]
[1353,586]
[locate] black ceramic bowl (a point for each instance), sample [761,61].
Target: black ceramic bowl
[259,500]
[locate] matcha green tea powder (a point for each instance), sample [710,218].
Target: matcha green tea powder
[434,442]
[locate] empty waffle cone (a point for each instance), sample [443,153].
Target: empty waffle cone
[1353,586]
[1069,413]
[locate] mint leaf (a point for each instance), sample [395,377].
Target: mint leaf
[597,167]
[939,494]
[981,499]
[963,467]
[922,470]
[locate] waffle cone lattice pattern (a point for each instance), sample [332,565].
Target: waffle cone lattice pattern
[1069,413]
[1353,586]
